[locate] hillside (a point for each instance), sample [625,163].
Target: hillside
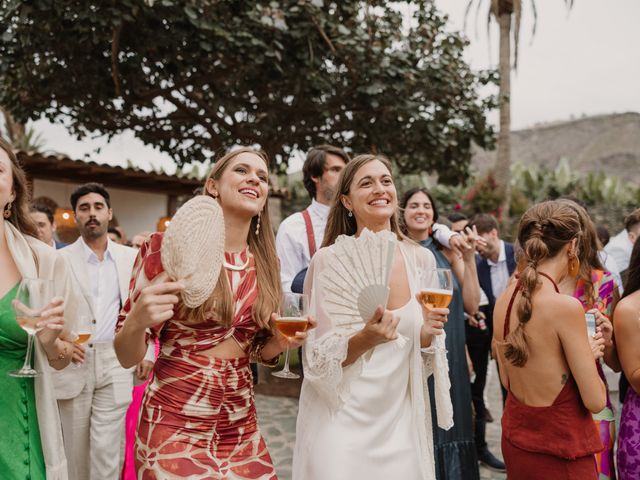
[603,142]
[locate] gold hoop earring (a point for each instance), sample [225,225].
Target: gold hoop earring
[258,225]
[574,266]
[7,210]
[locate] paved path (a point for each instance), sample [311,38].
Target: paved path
[277,417]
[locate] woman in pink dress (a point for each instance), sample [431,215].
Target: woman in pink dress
[131,420]
[198,417]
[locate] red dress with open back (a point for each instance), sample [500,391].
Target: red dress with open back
[198,417]
[554,442]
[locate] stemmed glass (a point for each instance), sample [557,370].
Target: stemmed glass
[32,297]
[436,288]
[83,331]
[291,319]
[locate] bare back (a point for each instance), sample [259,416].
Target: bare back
[558,348]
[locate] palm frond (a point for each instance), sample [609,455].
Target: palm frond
[517,14]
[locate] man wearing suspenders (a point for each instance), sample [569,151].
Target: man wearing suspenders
[300,235]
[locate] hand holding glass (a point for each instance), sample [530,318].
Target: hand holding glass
[83,331]
[436,288]
[32,297]
[293,317]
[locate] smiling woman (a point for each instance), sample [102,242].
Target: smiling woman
[198,417]
[363,409]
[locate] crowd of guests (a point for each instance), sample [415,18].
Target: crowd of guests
[162,390]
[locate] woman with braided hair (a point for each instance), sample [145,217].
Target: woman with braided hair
[546,358]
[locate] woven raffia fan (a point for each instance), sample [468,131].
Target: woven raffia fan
[193,248]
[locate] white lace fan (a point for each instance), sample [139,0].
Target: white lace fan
[355,278]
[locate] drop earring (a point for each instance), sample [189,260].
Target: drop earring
[258,225]
[350,214]
[574,265]
[7,210]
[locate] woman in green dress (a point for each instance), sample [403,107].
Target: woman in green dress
[31,440]
[455,450]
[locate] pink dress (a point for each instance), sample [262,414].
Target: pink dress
[131,424]
[198,416]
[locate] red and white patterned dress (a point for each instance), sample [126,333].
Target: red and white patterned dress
[198,417]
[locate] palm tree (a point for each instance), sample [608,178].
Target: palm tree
[20,136]
[507,14]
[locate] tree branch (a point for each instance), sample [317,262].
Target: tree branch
[115,47]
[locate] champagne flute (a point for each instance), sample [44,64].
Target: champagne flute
[292,319]
[436,288]
[32,297]
[83,332]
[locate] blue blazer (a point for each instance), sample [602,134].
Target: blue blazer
[484,277]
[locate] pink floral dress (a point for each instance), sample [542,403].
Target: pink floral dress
[605,288]
[198,417]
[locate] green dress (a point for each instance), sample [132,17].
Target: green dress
[20,447]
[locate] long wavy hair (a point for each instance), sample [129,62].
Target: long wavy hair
[339,221]
[588,250]
[20,216]
[543,231]
[263,248]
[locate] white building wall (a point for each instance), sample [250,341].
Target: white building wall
[136,211]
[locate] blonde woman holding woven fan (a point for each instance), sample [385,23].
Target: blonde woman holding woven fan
[364,405]
[198,417]
[546,359]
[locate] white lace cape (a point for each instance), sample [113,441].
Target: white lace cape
[326,385]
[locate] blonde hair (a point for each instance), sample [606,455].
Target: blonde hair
[339,221]
[263,248]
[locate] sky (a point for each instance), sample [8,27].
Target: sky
[580,62]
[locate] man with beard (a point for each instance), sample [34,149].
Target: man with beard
[95,392]
[301,234]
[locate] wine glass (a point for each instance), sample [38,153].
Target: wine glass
[292,319]
[436,288]
[32,297]
[84,330]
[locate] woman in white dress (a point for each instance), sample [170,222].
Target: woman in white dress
[364,406]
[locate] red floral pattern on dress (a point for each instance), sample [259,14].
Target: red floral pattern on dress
[198,416]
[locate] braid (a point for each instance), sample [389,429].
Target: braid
[535,250]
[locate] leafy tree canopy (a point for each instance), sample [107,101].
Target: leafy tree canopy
[192,77]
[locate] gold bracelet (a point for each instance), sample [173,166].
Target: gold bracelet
[62,355]
[256,356]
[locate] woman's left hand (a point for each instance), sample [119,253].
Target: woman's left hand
[296,341]
[51,322]
[605,326]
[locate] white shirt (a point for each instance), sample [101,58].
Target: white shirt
[611,266]
[105,292]
[499,272]
[292,244]
[620,247]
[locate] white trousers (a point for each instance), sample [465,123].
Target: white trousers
[93,422]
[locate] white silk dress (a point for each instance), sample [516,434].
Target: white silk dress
[371,419]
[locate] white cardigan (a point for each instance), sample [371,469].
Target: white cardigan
[25,250]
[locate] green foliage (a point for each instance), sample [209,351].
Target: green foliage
[194,77]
